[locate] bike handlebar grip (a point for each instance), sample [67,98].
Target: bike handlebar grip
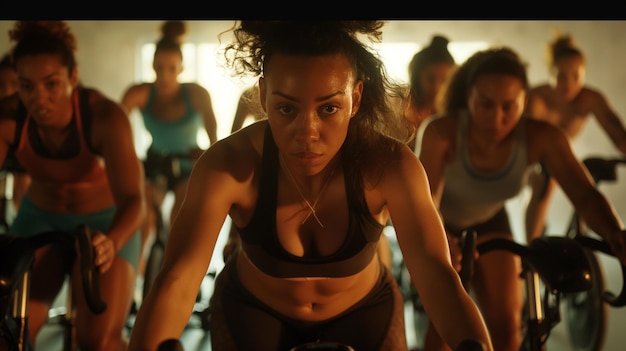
[89,272]
[470,345]
[468,247]
[170,345]
[608,296]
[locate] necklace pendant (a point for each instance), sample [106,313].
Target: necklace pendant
[317,219]
[311,207]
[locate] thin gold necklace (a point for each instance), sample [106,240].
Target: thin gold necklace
[311,207]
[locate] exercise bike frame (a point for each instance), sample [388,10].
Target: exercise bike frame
[17,255]
[560,263]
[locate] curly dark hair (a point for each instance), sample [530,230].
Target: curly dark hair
[376,129]
[44,37]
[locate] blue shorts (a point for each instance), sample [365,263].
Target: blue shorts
[31,220]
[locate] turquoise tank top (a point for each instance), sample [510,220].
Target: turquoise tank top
[172,137]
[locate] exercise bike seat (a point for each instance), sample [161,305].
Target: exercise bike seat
[562,263]
[16,257]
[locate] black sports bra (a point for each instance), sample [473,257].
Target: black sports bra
[260,242]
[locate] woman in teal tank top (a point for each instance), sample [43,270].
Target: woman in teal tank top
[173,114]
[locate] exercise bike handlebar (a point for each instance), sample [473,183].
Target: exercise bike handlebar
[20,251]
[90,274]
[534,258]
[468,246]
[603,169]
[169,163]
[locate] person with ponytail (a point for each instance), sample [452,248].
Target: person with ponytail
[429,71]
[309,189]
[173,114]
[567,102]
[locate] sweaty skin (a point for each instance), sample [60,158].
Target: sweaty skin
[309,123]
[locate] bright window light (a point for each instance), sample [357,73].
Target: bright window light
[396,57]
[462,50]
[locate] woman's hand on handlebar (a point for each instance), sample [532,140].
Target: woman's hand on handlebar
[456,251]
[104,251]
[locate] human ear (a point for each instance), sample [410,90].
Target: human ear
[357,93]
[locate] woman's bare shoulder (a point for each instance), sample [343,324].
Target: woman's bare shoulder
[244,147]
[138,88]
[107,115]
[253,135]
[195,89]
[445,126]
[542,134]
[592,95]
[100,102]
[136,96]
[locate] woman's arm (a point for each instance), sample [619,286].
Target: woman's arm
[435,141]
[112,135]
[580,188]
[135,97]
[424,246]
[608,119]
[211,192]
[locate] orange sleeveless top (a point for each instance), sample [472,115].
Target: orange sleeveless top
[82,169]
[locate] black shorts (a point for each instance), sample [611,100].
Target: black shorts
[158,165]
[246,323]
